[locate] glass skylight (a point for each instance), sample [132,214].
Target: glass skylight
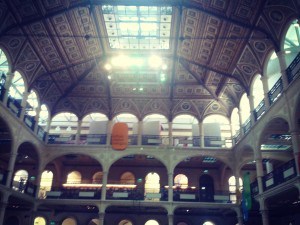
[138,27]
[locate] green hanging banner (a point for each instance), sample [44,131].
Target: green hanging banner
[247,191]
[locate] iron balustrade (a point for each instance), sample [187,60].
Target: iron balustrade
[94,139]
[259,110]
[293,71]
[2,92]
[254,188]
[247,126]
[61,139]
[14,105]
[41,133]
[29,121]
[275,91]
[3,176]
[280,175]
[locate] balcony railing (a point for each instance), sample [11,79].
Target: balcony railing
[29,121]
[293,71]
[278,176]
[259,110]
[14,105]
[275,91]
[247,126]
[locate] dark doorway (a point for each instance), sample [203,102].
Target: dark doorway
[206,188]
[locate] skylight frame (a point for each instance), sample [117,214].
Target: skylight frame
[151,31]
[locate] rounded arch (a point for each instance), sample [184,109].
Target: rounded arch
[20,179]
[206,188]
[94,222]
[235,121]
[153,116]
[291,29]
[120,116]
[127,178]
[257,90]
[181,180]
[125,155]
[45,183]
[244,108]
[33,103]
[74,177]
[97,177]
[208,222]
[69,221]
[5,60]
[39,220]
[72,154]
[125,222]
[152,222]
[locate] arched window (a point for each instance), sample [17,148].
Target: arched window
[46,183]
[17,87]
[208,223]
[181,181]
[97,178]
[94,222]
[130,119]
[125,222]
[152,185]
[43,116]
[4,67]
[292,37]
[69,221]
[20,180]
[185,131]
[39,221]
[217,131]
[244,108]
[151,222]
[127,178]
[94,123]
[235,121]
[32,103]
[257,91]
[232,188]
[74,177]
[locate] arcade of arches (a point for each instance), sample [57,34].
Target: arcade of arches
[207,144]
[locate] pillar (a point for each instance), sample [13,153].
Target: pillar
[10,169]
[269,167]
[37,117]
[170,133]
[171,219]
[265,83]
[8,82]
[140,132]
[38,181]
[201,134]
[47,129]
[283,66]
[170,184]
[259,173]
[23,104]
[265,216]
[104,183]
[241,122]
[108,132]
[78,132]
[101,218]
[296,149]
[239,216]
[3,205]
[251,102]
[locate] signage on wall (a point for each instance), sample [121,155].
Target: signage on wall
[119,136]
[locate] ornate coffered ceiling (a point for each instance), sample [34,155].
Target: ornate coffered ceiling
[215,49]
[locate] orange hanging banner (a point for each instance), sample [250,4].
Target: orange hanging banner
[119,136]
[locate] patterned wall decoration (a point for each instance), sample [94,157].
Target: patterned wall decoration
[159,106]
[124,106]
[184,106]
[213,108]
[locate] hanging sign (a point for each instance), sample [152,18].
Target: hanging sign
[119,136]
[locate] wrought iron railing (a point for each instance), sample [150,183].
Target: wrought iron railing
[293,71]
[259,110]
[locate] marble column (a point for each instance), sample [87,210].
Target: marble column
[296,149]
[8,82]
[170,133]
[104,183]
[108,132]
[201,134]
[3,205]
[265,83]
[37,117]
[170,184]
[139,133]
[259,173]
[78,132]
[10,169]
[171,219]
[23,104]
[251,102]
[283,66]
